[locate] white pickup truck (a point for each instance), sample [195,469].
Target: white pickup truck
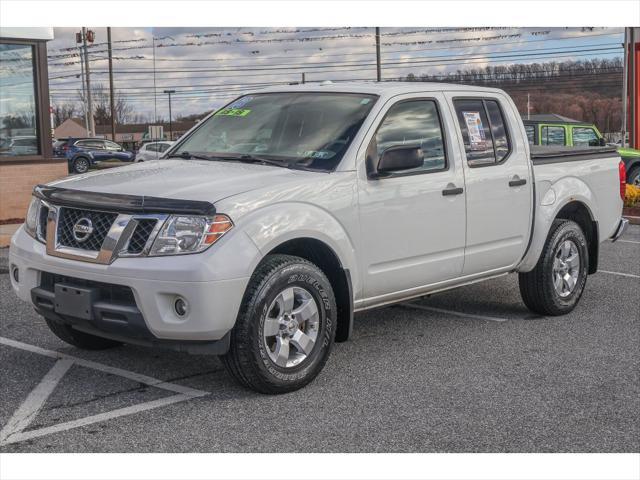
[272,221]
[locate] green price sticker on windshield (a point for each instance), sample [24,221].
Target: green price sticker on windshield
[234,112]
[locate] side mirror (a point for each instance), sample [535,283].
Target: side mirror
[602,142]
[398,158]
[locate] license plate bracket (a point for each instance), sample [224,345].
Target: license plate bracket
[74,301]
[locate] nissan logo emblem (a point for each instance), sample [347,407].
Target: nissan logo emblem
[82,229]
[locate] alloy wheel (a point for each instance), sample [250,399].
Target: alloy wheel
[566,268]
[291,327]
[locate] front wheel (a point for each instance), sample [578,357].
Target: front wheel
[286,326]
[81,165]
[555,285]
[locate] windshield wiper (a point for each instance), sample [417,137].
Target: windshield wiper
[265,161]
[189,156]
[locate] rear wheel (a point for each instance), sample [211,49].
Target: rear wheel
[285,328]
[81,165]
[634,176]
[80,339]
[555,285]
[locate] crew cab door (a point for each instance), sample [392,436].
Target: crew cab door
[497,180]
[412,221]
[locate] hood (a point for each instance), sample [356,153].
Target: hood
[183,179]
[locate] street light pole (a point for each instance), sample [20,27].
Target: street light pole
[169,92]
[378,62]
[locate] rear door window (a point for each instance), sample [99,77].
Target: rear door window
[553,135]
[498,130]
[585,137]
[531,133]
[484,133]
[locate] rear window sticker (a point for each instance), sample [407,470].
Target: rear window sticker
[475,129]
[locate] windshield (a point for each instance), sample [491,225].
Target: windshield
[309,130]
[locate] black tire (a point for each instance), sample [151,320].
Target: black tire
[537,287]
[80,339]
[633,177]
[81,165]
[248,359]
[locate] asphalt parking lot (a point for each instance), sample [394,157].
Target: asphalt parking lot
[470,370]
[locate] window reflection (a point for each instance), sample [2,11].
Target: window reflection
[414,123]
[553,136]
[18,126]
[586,137]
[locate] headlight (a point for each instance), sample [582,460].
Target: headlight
[31,222]
[189,234]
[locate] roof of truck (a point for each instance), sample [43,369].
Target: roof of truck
[550,118]
[376,88]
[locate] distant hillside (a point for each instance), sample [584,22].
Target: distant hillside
[587,90]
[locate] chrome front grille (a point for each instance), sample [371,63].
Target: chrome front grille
[96,236]
[141,235]
[100,222]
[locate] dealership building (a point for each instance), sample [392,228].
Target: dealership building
[25,129]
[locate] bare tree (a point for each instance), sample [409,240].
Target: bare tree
[64,111]
[101,106]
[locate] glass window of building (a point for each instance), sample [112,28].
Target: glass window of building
[19,134]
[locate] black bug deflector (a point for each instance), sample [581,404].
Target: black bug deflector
[122,203]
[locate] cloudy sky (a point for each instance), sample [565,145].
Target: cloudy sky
[209,66]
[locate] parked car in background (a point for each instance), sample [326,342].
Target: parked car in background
[84,153]
[556,130]
[276,218]
[20,145]
[152,150]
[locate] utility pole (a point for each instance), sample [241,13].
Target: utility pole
[633,97]
[169,92]
[111,92]
[92,125]
[528,107]
[625,91]
[378,66]
[155,95]
[84,92]
[303,77]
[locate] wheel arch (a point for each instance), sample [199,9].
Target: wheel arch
[569,199]
[322,255]
[579,212]
[315,234]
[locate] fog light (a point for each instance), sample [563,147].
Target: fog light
[15,272]
[181,307]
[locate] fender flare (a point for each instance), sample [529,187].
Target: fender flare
[275,224]
[550,200]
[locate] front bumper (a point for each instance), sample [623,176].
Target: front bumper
[213,285]
[622,226]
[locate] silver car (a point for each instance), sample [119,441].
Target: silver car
[152,150]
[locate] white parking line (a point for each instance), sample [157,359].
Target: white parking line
[631,275]
[14,432]
[453,312]
[628,241]
[35,400]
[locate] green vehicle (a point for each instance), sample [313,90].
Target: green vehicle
[556,130]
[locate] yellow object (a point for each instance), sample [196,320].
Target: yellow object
[632,196]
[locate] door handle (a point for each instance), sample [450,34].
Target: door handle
[517,182]
[452,191]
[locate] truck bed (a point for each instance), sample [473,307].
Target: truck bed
[541,155]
